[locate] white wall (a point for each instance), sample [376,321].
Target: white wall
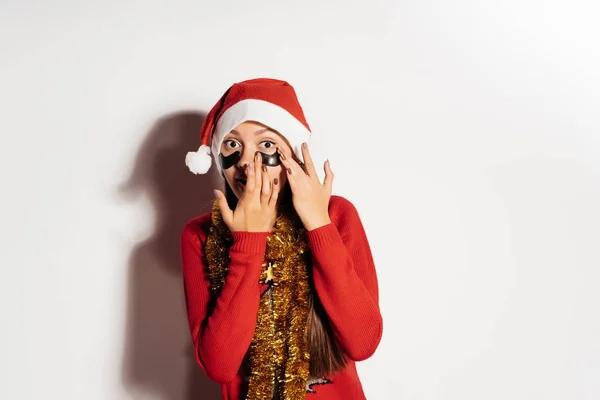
[465,132]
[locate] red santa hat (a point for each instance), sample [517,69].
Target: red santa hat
[270,102]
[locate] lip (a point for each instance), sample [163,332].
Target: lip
[241,183]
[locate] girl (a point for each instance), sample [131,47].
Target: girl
[281,289]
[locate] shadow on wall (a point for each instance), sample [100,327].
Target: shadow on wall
[158,356]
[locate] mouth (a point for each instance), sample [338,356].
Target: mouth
[240,183]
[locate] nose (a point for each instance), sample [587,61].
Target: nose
[246,157]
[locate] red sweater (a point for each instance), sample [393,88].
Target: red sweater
[345,281]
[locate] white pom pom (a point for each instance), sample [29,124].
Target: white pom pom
[199,162]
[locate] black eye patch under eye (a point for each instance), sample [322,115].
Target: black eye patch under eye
[230,160]
[270,160]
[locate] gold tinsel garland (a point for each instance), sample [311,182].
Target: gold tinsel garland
[279,352]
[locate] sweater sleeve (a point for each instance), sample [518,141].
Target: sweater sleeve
[222,328]
[346,281]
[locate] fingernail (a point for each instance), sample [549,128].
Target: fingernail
[216,193]
[304,145]
[251,166]
[264,168]
[289,171]
[275,181]
[281,155]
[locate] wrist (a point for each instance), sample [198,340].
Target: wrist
[315,223]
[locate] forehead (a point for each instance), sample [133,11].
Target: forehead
[251,129]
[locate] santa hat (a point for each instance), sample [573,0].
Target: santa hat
[270,102]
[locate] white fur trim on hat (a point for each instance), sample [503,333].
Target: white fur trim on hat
[276,118]
[266,113]
[199,161]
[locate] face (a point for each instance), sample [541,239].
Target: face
[248,138]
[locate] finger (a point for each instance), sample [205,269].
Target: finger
[288,164]
[265,192]
[308,161]
[250,176]
[328,182]
[257,173]
[224,207]
[293,169]
[275,192]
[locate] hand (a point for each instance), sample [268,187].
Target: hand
[256,210]
[309,196]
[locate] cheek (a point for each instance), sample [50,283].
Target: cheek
[229,175]
[277,172]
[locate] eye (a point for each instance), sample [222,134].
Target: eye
[230,144]
[267,144]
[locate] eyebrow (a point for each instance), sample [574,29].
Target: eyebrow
[258,132]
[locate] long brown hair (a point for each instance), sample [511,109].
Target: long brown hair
[326,357]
